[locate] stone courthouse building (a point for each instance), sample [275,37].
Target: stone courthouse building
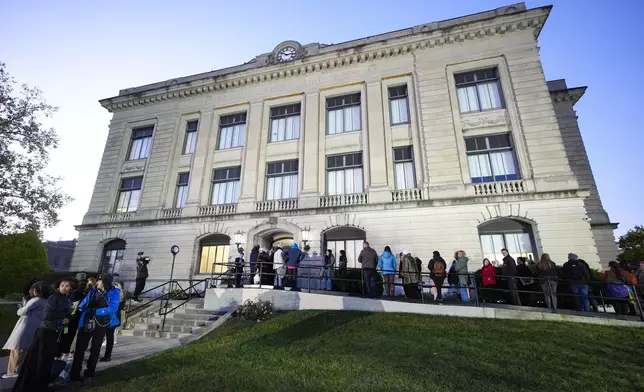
[442,136]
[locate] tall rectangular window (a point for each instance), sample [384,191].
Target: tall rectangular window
[491,158]
[281,180]
[344,174]
[343,114]
[232,131]
[182,190]
[225,185]
[479,90]
[399,105]
[190,141]
[518,244]
[285,123]
[211,254]
[404,167]
[129,194]
[140,143]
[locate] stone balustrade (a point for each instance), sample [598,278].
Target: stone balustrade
[276,205]
[499,188]
[171,213]
[406,195]
[343,200]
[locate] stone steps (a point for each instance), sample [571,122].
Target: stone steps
[189,320]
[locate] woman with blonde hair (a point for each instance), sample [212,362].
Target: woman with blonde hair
[547,272]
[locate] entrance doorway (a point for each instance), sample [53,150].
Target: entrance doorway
[274,238]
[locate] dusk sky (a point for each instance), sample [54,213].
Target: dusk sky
[78,52]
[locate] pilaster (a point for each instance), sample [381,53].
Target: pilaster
[251,159]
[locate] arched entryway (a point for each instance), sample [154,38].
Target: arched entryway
[273,238]
[112,257]
[345,238]
[214,248]
[516,236]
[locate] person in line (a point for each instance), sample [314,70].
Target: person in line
[263,265]
[547,273]
[91,283]
[98,313]
[639,275]
[616,280]
[239,268]
[279,266]
[343,262]
[578,275]
[409,274]
[369,260]
[31,315]
[110,338]
[35,372]
[252,260]
[69,333]
[526,281]
[488,275]
[437,271]
[141,276]
[461,269]
[387,267]
[295,257]
[509,273]
[327,273]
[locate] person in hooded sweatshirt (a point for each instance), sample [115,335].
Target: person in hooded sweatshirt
[578,275]
[295,257]
[437,271]
[252,260]
[98,313]
[387,267]
[35,372]
[461,269]
[279,269]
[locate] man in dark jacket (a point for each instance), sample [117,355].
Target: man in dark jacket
[369,260]
[578,274]
[252,260]
[509,272]
[141,275]
[294,257]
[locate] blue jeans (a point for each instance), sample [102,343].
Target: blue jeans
[581,296]
[369,281]
[464,292]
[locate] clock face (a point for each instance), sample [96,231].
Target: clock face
[287,53]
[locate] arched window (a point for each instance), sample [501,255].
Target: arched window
[345,238]
[214,248]
[112,257]
[516,236]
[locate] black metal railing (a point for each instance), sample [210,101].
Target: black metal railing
[477,294]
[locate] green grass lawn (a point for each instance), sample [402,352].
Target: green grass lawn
[354,351]
[8,318]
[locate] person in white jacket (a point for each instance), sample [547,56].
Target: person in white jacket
[31,316]
[279,267]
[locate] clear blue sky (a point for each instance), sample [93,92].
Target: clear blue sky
[81,51]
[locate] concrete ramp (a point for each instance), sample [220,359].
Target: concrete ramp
[224,299]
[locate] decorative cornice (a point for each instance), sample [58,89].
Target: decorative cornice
[232,106]
[283,96]
[397,76]
[532,19]
[342,85]
[568,95]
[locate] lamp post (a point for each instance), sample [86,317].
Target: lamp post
[238,239]
[174,249]
[305,235]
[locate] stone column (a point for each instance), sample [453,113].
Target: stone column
[252,149]
[378,186]
[310,145]
[199,175]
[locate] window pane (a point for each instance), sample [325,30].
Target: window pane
[355,114]
[339,121]
[489,95]
[331,122]
[404,111]
[205,264]
[294,179]
[224,138]
[182,194]
[330,181]
[467,100]
[503,166]
[409,175]
[270,188]
[191,141]
[277,189]
[352,259]
[134,200]
[357,180]
[121,204]
[339,182]
[349,183]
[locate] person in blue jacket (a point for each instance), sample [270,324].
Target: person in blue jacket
[98,313]
[294,257]
[387,266]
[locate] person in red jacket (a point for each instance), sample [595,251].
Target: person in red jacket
[488,273]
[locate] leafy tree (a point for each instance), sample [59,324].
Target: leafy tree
[22,258]
[632,245]
[29,198]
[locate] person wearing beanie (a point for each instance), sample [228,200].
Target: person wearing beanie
[578,275]
[98,313]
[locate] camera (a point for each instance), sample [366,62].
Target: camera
[587,218]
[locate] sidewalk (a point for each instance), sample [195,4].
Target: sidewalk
[127,348]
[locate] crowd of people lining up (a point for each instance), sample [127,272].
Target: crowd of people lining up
[84,311]
[515,281]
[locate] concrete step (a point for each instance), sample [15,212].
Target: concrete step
[168,328]
[192,316]
[173,321]
[155,334]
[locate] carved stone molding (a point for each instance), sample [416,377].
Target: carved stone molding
[133,166]
[482,120]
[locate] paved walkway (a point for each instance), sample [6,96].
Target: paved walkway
[126,349]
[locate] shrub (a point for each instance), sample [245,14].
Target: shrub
[22,257]
[178,294]
[13,297]
[255,310]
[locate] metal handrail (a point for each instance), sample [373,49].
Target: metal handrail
[471,276]
[183,291]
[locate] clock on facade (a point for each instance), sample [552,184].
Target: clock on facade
[287,53]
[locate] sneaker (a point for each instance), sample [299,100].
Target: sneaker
[10,375]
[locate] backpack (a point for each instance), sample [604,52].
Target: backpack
[439,268]
[452,276]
